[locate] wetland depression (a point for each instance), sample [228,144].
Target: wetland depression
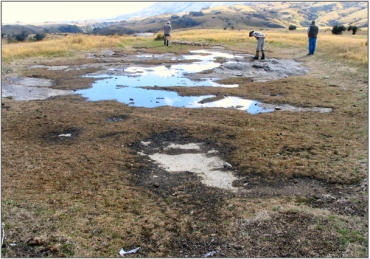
[130,80]
[103,176]
[132,85]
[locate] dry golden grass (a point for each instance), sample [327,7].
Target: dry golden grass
[353,47]
[64,45]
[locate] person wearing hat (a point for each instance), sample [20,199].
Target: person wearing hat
[167,32]
[312,32]
[260,43]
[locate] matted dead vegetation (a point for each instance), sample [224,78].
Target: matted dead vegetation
[302,176]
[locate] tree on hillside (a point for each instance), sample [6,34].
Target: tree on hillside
[70,29]
[292,27]
[186,21]
[39,36]
[196,13]
[353,29]
[338,29]
[22,36]
[10,38]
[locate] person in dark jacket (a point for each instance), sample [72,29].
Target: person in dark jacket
[167,32]
[260,43]
[312,32]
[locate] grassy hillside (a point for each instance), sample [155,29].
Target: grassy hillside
[262,15]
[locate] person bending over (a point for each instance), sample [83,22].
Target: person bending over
[260,43]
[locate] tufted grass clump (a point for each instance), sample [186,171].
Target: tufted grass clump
[160,36]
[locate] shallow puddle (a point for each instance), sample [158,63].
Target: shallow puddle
[140,86]
[140,97]
[128,88]
[169,75]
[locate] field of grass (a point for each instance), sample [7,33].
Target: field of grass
[89,196]
[346,46]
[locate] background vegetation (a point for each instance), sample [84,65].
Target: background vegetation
[345,46]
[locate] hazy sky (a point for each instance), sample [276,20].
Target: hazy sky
[33,12]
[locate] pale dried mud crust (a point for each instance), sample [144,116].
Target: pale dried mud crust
[311,191]
[277,235]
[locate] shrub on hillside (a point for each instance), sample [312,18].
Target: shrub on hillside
[196,13]
[39,36]
[10,38]
[338,29]
[186,21]
[353,29]
[70,29]
[21,36]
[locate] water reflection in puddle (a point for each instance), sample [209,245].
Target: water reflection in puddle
[127,88]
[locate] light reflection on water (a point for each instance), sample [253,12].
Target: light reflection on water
[127,89]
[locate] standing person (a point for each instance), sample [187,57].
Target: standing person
[312,32]
[167,32]
[260,43]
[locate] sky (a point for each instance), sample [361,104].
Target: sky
[35,12]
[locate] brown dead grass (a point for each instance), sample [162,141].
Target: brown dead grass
[79,197]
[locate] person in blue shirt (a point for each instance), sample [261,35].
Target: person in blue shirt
[312,32]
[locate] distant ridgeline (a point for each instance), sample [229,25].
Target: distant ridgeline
[226,15]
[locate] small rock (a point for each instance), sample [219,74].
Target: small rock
[156,185]
[328,197]
[227,165]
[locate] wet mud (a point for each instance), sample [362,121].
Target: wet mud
[116,78]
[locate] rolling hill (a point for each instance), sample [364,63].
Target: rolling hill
[234,15]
